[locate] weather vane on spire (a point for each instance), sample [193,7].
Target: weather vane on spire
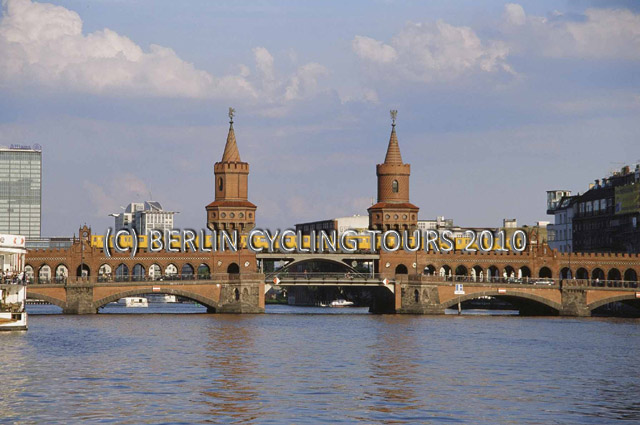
[394,115]
[232,113]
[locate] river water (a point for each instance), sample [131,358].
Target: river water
[303,366]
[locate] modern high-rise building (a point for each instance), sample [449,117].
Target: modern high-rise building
[21,190]
[144,216]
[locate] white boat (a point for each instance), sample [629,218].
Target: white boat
[136,302]
[161,298]
[341,303]
[13,288]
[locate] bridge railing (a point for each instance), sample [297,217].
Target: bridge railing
[592,283]
[597,283]
[492,279]
[129,278]
[289,276]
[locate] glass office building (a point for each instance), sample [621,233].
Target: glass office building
[20,190]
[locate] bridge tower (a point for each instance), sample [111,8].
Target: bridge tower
[231,209]
[393,211]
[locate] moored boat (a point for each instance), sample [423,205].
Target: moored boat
[136,302]
[341,303]
[13,286]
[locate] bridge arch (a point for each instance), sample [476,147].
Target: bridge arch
[524,271]
[551,306]
[155,271]
[83,270]
[614,274]
[545,272]
[318,265]
[211,304]
[445,270]
[477,273]
[171,270]
[122,272]
[187,270]
[204,272]
[104,272]
[138,272]
[582,273]
[597,273]
[461,271]
[29,273]
[61,273]
[618,298]
[34,295]
[44,273]
[493,272]
[509,272]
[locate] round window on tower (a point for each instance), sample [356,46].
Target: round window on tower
[404,216]
[387,216]
[395,216]
[232,215]
[223,215]
[394,186]
[241,215]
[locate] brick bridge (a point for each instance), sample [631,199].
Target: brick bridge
[82,278]
[412,294]
[220,293]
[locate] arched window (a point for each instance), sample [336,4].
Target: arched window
[545,272]
[394,186]
[401,269]
[220,186]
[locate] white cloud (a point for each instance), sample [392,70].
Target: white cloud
[600,34]
[304,83]
[514,14]
[373,50]
[43,45]
[433,52]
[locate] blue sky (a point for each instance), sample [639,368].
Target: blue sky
[498,102]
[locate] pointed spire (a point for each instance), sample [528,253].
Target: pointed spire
[393,151]
[231,153]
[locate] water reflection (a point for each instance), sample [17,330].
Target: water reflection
[231,360]
[328,368]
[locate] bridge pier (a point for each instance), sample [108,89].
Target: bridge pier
[79,300]
[415,296]
[418,298]
[574,303]
[246,295]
